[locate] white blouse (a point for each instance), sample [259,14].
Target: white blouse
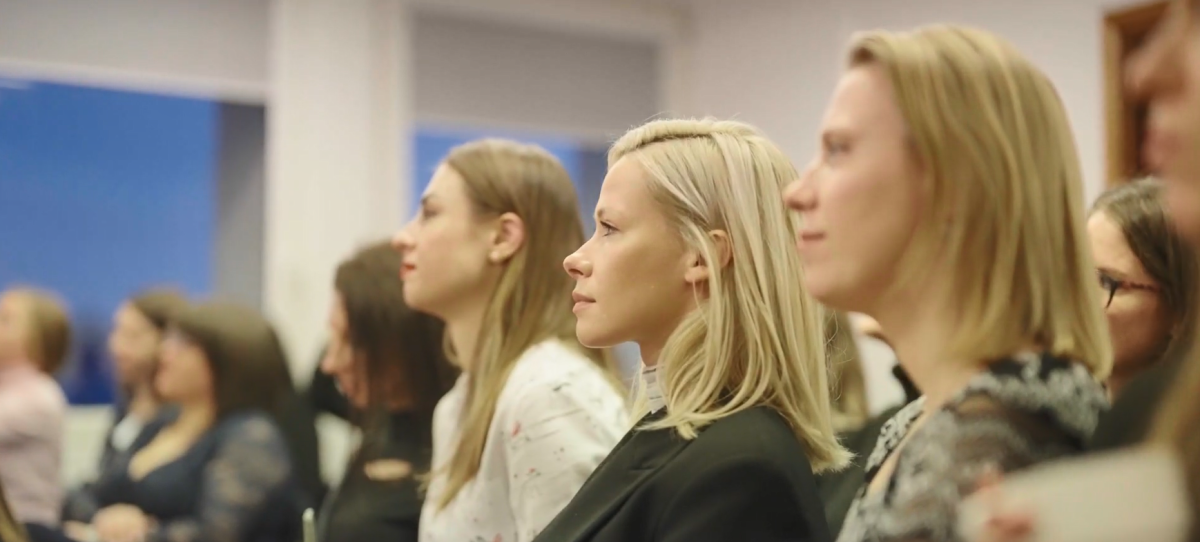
[555,420]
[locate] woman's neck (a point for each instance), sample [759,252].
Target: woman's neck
[1117,381]
[142,402]
[920,333]
[649,354]
[464,330]
[195,416]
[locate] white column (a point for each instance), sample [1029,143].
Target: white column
[338,128]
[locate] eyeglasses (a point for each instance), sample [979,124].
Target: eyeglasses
[1109,286]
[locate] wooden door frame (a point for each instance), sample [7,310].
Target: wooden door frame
[1124,29]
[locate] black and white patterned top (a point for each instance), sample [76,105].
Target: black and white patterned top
[1021,411]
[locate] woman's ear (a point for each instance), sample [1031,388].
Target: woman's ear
[700,270]
[508,238]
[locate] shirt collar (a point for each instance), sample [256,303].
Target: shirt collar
[654,397]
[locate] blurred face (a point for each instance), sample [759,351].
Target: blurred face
[340,361]
[1138,321]
[14,326]
[133,344]
[448,250]
[184,373]
[632,279]
[1167,73]
[859,198]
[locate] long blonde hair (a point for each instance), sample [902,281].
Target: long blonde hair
[756,340]
[850,409]
[1005,191]
[532,300]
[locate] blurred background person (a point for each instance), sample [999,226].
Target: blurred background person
[1148,277]
[1165,72]
[956,222]
[138,327]
[218,468]
[534,412]
[387,361]
[35,335]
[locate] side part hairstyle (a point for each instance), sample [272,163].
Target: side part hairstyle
[757,339]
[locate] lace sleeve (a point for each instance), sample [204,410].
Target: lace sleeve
[942,464]
[250,465]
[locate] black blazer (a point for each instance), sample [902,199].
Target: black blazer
[363,509]
[745,478]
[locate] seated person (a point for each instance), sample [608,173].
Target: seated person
[1147,273]
[217,469]
[133,344]
[34,338]
[387,362]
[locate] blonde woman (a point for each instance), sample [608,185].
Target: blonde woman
[533,412]
[1166,73]
[735,413]
[946,203]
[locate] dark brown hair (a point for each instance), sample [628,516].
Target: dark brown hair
[49,337]
[1137,209]
[245,356]
[397,350]
[159,305]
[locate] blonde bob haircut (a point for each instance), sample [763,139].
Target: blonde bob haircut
[756,339]
[532,300]
[1004,190]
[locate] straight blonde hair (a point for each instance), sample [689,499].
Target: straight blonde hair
[532,300]
[1005,190]
[850,409]
[757,339]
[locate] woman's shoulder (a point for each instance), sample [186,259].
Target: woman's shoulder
[555,365]
[755,435]
[553,378]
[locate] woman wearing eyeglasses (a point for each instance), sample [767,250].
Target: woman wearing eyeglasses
[1148,277]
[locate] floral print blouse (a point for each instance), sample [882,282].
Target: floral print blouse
[556,419]
[1023,410]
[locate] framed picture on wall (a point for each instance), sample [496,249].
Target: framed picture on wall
[1125,30]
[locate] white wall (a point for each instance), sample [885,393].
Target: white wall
[209,48]
[774,62]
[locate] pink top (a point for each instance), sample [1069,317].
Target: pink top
[33,413]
